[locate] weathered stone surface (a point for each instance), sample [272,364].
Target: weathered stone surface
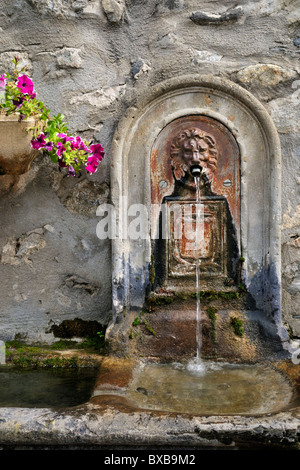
[84,197]
[100,98]
[58,8]
[18,250]
[286,112]
[6,64]
[291,220]
[204,56]
[114,10]
[203,18]
[69,57]
[265,75]
[139,68]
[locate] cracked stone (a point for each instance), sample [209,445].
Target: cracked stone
[76,282]
[85,197]
[17,250]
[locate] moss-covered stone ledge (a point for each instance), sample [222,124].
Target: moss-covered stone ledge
[62,354]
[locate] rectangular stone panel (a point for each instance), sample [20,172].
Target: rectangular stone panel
[196,232]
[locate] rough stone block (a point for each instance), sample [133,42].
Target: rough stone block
[114,10]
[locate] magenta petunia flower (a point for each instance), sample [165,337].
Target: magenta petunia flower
[60,149]
[48,146]
[98,151]
[65,138]
[92,164]
[3,81]
[39,142]
[25,84]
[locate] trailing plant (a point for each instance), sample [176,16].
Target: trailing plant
[50,133]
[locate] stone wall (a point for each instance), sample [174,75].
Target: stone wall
[90,60]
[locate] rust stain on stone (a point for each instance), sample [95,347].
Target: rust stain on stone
[207,99]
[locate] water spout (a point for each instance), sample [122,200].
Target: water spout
[196,171]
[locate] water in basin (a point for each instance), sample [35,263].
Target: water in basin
[218,389]
[45,388]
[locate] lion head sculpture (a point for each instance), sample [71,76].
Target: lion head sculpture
[193,147]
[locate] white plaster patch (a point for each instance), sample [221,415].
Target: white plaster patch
[204,56]
[101,98]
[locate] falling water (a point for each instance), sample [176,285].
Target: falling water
[197,364]
[198,316]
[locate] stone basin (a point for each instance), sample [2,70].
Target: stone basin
[123,412]
[202,388]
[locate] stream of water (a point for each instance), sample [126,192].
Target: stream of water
[197,365]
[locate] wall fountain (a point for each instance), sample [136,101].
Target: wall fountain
[239,150]
[195,170]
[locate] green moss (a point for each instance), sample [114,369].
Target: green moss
[23,356]
[211,312]
[149,328]
[237,325]
[136,321]
[140,321]
[181,295]
[213,295]
[153,301]
[63,344]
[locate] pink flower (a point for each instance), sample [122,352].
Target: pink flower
[3,81]
[39,142]
[48,146]
[98,151]
[92,164]
[25,84]
[65,138]
[60,149]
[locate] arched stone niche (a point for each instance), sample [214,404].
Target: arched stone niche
[260,186]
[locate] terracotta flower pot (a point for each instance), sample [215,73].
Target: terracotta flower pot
[16,152]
